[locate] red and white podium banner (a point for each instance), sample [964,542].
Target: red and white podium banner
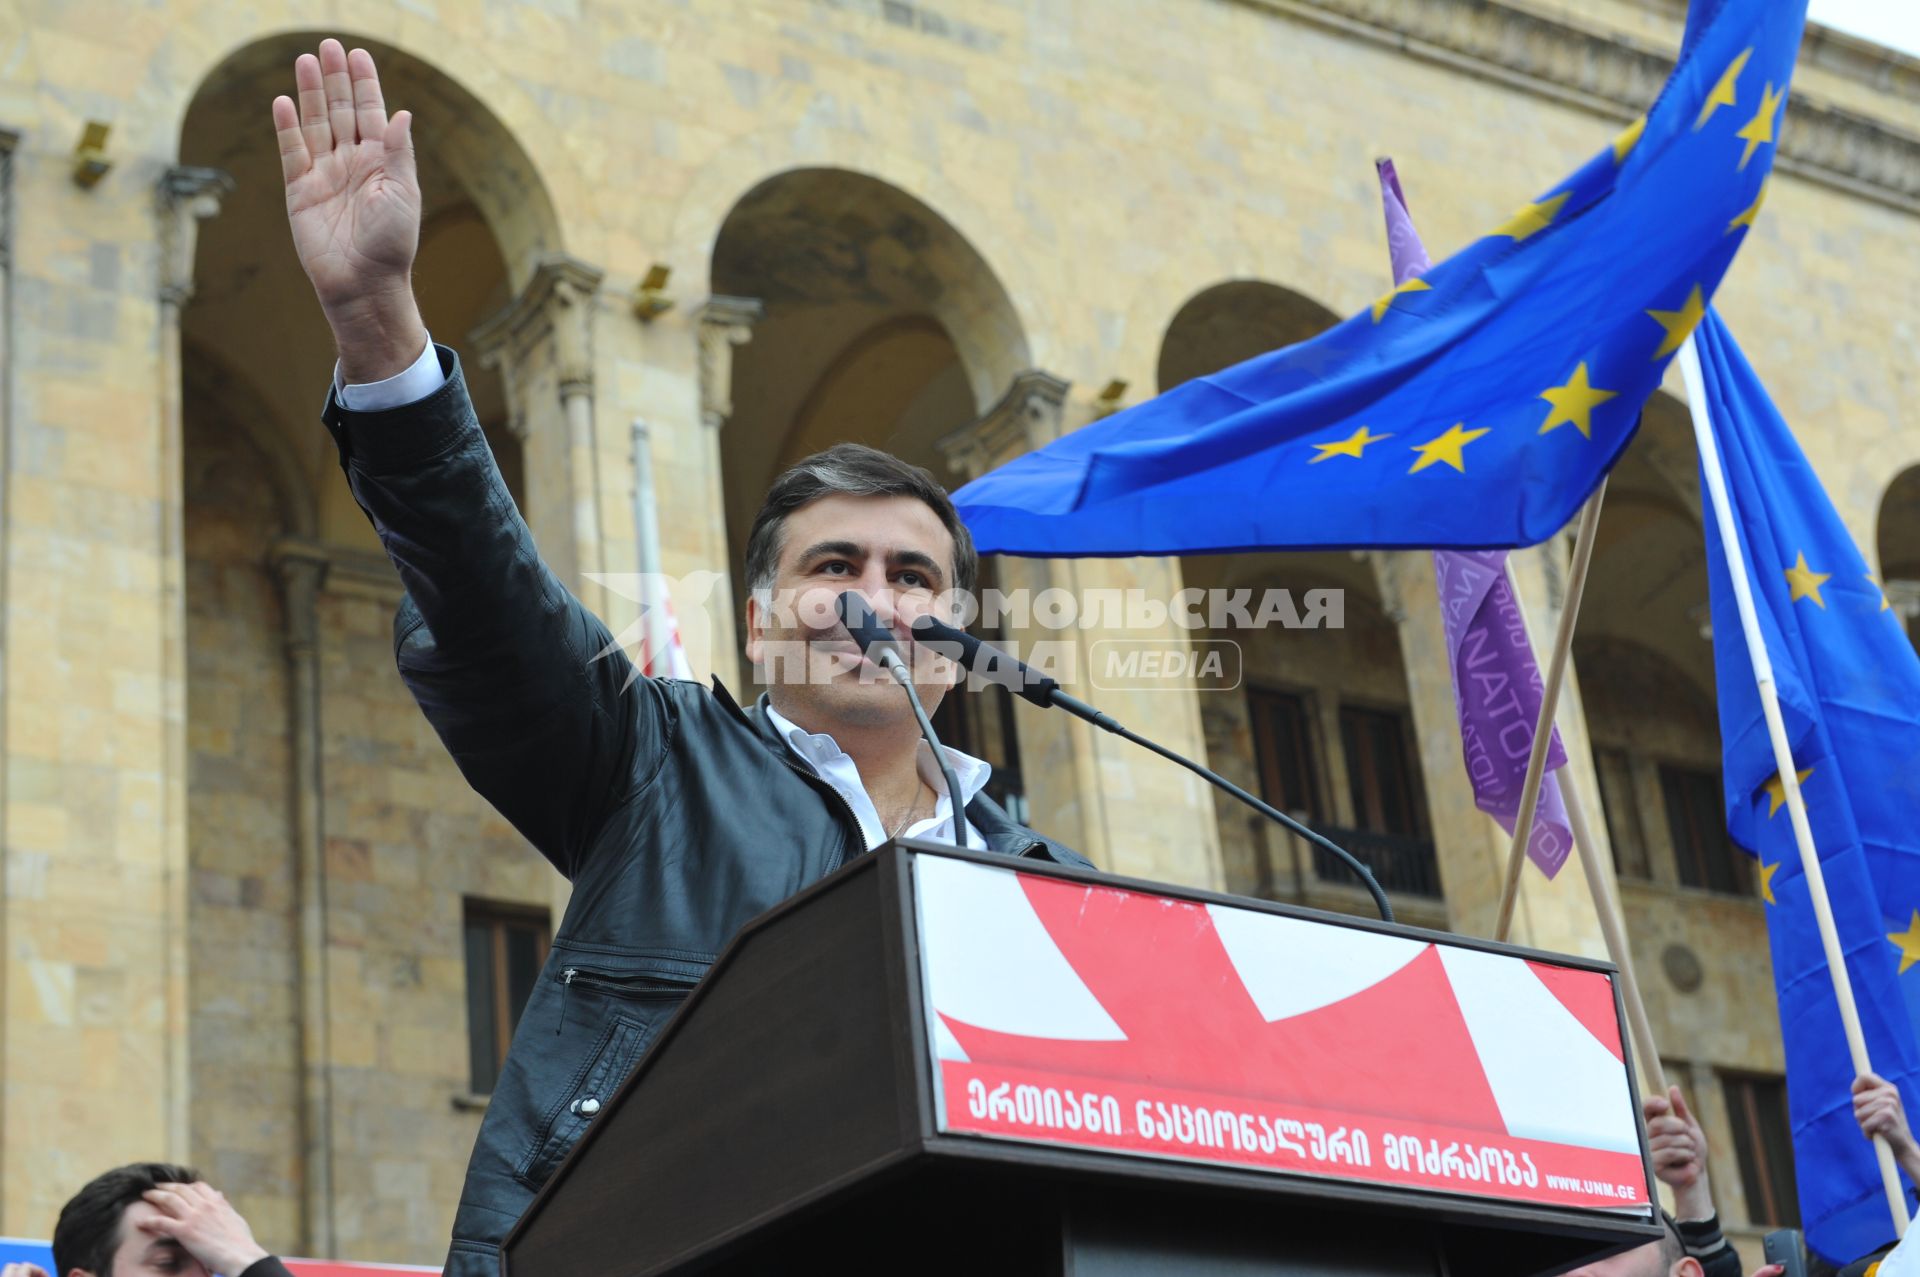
[1131,1023]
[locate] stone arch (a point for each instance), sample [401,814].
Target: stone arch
[308,762]
[1230,260]
[487,221]
[468,112]
[215,391]
[1325,711]
[750,161]
[879,323]
[1227,323]
[1897,545]
[816,237]
[1648,579]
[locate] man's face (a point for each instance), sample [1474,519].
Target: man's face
[893,550]
[141,1254]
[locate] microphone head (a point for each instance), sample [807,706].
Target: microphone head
[935,635]
[984,660]
[858,616]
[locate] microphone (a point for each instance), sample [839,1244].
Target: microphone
[877,642]
[1008,671]
[985,660]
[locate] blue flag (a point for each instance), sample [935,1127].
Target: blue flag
[1475,407]
[1849,686]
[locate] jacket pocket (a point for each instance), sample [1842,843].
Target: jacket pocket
[641,1004]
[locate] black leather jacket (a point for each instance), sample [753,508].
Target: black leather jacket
[677,814]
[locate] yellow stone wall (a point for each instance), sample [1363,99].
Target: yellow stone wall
[1080,173]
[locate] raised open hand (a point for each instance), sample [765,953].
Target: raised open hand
[353,202]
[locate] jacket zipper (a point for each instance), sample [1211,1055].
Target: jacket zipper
[839,800]
[627,986]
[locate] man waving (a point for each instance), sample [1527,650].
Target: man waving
[678,814]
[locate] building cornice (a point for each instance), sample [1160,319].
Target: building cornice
[1618,77]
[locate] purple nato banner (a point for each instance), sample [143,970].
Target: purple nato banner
[1496,684]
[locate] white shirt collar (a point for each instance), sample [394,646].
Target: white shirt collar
[833,764]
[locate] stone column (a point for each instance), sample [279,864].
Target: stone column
[1130,812]
[1058,754]
[722,324]
[8,140]
[542,343]
[300,569]
[187,196]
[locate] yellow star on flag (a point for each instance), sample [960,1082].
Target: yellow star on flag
[1722,94]
[1447,448]
[1767,871]
[1777,791]
[1629,138]
[1679,323]
[1884,605]
[1386,299]
[1530,218]
[1908,942]
[1805,583]
[1352,446]
[1574,402]
[1752,211]
[1760,128]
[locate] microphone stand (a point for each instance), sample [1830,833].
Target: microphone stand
[877,641]
[999,667]
[1080,709]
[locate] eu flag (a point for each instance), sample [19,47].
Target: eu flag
[1475,407]
[1849,686]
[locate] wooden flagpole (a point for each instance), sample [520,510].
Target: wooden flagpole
[1783,754]
[1549,702]
[1606,906]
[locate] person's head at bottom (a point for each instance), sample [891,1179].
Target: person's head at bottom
[151,1219]
[1663,1258]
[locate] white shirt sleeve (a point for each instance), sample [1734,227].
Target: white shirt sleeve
[1904,1261]
[416,383]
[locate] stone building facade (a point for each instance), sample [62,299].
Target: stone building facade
[242,879]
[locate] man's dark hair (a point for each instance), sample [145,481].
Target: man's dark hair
[1672,1249]
[89,1229]
[852,470]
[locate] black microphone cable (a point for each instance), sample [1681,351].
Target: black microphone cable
[1013,674]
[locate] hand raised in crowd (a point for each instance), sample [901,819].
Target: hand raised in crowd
[199,1218]
[353,202]
[23,1270]
[1877,1107]
[1679,1149]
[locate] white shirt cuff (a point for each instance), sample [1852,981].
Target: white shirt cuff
[416,383]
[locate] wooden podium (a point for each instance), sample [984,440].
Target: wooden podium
[805,1110]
